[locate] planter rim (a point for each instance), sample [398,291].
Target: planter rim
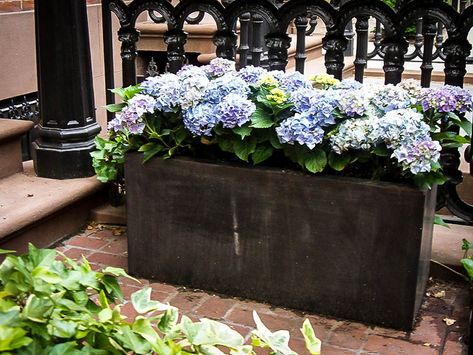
[274,170]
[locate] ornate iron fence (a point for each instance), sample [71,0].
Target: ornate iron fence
[24,107]
[432,19]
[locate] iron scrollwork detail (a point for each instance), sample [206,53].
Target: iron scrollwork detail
[278,45]
[175,40]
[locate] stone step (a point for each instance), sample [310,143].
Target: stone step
[43,211]
[11,132]
[317,66]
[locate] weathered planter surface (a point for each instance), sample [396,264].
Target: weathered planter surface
[348,248]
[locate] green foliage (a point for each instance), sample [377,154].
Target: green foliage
[467,261]
[108,158]
[50,306]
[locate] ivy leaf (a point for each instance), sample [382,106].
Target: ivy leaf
[142,302]
[243,131]
[338,162]
[312,343]
[316,162]
[261,119]
[261,154]
[244,148]
[468,265]
[277,341]
[439,221]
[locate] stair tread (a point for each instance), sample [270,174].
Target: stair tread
[13,128]
[26,198]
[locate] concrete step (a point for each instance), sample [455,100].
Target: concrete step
[415,74]
[11,132]
[43,211]
[317,66]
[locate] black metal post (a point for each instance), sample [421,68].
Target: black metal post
[429,30]
[361,47]
[108,55]
[244,47]
[257,38]
[301,26]
[67,111]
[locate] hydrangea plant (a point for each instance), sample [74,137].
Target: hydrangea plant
[388,132]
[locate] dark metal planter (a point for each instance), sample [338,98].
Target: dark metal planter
[348,248]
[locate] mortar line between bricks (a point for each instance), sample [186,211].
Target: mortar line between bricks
[363,343]
[330,332]
[227,313]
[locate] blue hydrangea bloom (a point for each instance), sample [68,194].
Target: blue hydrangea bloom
[218,67]
[200,119]
[294,81]
[234,110]
[166,89]
[302,129]
[225,85]
[251,74]
[391,97]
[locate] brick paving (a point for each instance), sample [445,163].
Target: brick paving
[107,245]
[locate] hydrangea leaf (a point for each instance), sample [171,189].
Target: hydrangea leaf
[262,153]
[243,131]
[115,107]
[338,162]
[244,148]
[316,162]
[261,119]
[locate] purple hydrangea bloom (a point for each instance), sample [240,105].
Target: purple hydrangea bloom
[127,121]
[302,129]
[447,99]
[251,74]
[294,81]
[418,157]
[234,111]
[166,89]
[141,104]
[200,119]
[218,67]
[219,88]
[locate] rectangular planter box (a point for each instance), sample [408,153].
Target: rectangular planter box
[349,248]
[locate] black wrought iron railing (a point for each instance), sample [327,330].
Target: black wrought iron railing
[256,32]
[23,107]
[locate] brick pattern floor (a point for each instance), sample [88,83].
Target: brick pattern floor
[107,245]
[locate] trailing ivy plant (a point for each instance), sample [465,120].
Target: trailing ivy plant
[51,305]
